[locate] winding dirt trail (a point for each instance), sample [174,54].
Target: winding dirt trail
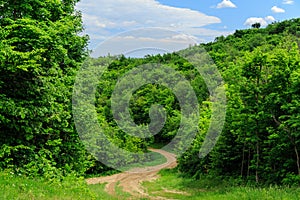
[131,181]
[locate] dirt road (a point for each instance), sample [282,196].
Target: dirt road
[131,181]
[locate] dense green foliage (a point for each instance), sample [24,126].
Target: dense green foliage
[140,105]
[260,140]
[40,52]
[144,97]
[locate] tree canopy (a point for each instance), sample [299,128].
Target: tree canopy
[40,51]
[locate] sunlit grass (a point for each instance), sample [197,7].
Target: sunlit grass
[172,185]
[14,186]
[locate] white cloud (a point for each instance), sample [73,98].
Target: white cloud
[107,18]
[146,12]
[144,39]
[276,9]
[226,4]
[269,18]
[290,2]
[263,21]
[253,20]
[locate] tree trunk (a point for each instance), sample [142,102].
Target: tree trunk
[243,160]
[293,142]
[257,124]
[248,163]
[297,156]
[257,162]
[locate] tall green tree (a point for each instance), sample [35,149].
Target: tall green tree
[40,51]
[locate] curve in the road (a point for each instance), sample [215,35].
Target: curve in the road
[131,180]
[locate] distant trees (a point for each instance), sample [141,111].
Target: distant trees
[256,25]
[146,96]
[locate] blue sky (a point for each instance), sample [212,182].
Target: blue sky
[115,22]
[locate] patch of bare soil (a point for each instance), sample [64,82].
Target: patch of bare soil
[176,192]
[131,181]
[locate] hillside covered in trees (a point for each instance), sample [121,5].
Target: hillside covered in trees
[260,140]
[41,51]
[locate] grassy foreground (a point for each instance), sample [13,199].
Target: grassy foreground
[172,185]
[169,185]
[16,186]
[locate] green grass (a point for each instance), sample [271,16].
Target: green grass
[100,194]
[172,185]
[19,187]
[156,159]
[157,145]
[120,192]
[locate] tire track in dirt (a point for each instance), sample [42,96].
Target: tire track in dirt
[131,181]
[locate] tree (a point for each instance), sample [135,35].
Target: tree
[256,25]
[40,51]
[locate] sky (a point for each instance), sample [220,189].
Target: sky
[126,26]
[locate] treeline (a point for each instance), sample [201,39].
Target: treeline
[40,53]
[260,141]
[166,118]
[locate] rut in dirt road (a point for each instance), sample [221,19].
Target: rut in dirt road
[131,181]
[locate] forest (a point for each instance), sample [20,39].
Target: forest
[42,51]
